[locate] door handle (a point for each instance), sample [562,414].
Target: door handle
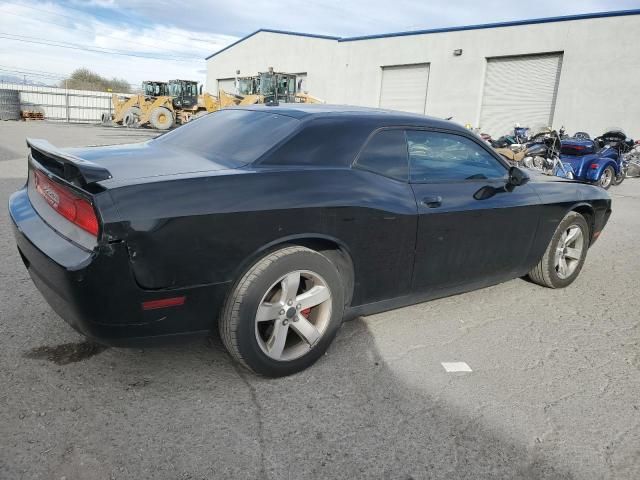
[432,201]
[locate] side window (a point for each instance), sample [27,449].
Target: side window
[436,156]
[386,154]
[322,142]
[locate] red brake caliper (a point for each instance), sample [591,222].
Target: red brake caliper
[305,313]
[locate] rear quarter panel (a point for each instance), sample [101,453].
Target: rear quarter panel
[206,230]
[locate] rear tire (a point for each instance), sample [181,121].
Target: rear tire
[607,177]
[162,118]
[618,179]
[563,260]
[265,306]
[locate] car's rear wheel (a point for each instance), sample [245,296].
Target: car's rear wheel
[284,312]
[565,255]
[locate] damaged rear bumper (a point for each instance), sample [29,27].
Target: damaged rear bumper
[96,293]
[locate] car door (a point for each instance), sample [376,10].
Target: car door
[473,229]
[386,232]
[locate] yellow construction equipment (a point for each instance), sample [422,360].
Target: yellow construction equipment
[163,105]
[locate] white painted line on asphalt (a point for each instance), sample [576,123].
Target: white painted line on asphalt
[451,367]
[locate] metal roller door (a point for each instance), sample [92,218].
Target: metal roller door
[227,84]
[404,87]
[520,90]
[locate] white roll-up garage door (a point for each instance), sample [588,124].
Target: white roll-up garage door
[404,87]
[227,84]
[520,90]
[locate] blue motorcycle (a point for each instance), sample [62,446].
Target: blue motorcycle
[600,161]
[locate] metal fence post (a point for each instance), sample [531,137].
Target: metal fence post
[66,99]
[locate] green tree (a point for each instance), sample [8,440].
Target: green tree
[85,79]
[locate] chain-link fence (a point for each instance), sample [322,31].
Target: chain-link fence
[61,104]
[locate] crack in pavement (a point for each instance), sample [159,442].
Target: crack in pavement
[258,413]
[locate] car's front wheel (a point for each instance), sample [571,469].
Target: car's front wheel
[284,312]
[565,254]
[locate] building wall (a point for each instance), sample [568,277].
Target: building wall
[285,53]
[599,84]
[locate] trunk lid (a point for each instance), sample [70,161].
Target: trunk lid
[140,160]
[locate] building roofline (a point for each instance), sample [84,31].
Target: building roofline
[268,30]
[513,23]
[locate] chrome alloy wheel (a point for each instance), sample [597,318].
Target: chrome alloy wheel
[569,251]
[606,178]
[293,315]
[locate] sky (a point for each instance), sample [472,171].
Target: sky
[163,39]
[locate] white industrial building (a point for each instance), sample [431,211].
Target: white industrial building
[580,71]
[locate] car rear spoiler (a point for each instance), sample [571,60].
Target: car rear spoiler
[68,167]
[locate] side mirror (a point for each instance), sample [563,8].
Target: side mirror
[517,177]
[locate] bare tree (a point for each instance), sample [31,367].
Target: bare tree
[85,79]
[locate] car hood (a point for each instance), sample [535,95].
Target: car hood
[141,160]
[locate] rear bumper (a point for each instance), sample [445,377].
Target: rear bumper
[96,293]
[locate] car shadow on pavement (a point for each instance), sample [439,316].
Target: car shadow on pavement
[348,416]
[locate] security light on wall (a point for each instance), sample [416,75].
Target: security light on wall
[457,52]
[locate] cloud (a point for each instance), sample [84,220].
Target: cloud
[181,52]
[353,17]
[184,33]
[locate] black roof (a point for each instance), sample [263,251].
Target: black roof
[392,117]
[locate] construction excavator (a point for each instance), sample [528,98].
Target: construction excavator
[163,105]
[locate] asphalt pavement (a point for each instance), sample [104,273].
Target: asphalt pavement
[553,391]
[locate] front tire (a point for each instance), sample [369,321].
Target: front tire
[565,254]
[284,312]
[162,118]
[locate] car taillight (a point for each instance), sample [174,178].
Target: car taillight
[64,201]
[594,166]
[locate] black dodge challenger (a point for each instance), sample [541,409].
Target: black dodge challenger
[275,223]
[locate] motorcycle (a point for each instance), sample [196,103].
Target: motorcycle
[633,160]
[541,152]
[600,161]
[520,136]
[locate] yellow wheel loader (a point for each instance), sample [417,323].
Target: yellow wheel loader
[162,105]
[166,104]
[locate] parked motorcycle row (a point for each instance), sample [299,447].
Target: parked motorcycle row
[605,160]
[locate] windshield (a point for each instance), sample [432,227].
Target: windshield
[615,130]
[245,86]
[191,89]
[153,89]
[235,137]
[267,84]
[175,89]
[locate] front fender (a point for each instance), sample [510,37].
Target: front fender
[595,168]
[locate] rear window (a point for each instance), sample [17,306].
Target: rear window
[322,142]
[235,137]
